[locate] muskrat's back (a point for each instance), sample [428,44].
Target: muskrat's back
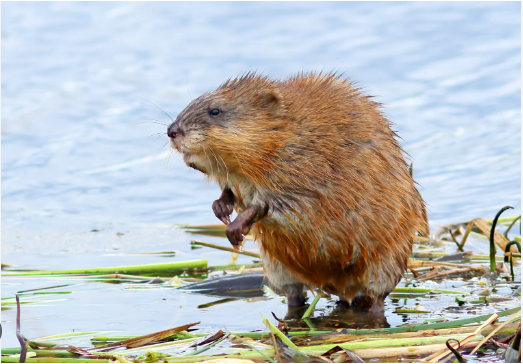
[312,166]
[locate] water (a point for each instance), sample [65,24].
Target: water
[78,78]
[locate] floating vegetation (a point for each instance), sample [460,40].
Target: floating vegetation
[178,345]
[482,321]
[160,269]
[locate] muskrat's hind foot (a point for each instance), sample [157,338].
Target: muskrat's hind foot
[294,294]
[343,304]
[295,312]
[378,306]
[362,303]
[296,300]
[282,280]
[374,305]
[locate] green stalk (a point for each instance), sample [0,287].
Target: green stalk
[510,226]
[406,310]
[492,244]
[311,307]
[280,334]
[507,249]
[309,323]
[11,302]
[132,269]
[68,334]
[503,219]
[15,359]
[11,351]
[54,353]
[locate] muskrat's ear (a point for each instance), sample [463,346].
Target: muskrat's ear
[269,99]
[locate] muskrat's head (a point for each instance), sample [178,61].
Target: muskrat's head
[223,130]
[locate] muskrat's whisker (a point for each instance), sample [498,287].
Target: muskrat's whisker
[217,162]
[153,121]
[210,163]
[159,108]
[167,161]
[225,165]
[156,155]
[157,135]
[227,169]
[187,85]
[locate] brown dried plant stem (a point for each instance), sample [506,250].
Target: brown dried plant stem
[224,248]
[435,358]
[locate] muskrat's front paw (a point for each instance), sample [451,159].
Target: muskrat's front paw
[235,231]
[223,211]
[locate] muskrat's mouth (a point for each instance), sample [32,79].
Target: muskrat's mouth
[187,158]
[190,160]
[194,166]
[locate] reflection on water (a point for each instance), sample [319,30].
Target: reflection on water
[76,119]
[336,316]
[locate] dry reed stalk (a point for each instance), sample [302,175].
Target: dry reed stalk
[485,227]
[327,338]
[414,263]
[435,358]
[495,331]
[424,240]
[227,249]
[438,274]
[404,351]
[145,339]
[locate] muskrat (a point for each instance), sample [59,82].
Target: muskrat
[312,167]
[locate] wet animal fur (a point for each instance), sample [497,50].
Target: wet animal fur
[321,158]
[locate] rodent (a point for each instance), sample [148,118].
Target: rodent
[313,168]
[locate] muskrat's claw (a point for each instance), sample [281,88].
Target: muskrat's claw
[236,230]
[222,210]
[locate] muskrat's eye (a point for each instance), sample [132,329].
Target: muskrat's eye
[214,112]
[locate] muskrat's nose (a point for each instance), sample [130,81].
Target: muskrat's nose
[173,131]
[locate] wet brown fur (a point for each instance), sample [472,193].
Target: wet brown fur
[343,208]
